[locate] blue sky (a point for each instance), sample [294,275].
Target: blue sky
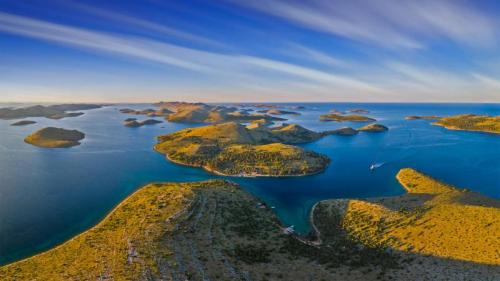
[260,50]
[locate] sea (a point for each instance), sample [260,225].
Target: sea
[48,196]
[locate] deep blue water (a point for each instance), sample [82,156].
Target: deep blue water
[47,196]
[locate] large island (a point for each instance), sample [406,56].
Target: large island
[233,149]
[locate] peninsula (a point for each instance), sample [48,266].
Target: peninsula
[52,137]
[52,111]
[233,149]
[433,218]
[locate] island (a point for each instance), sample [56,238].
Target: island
[422,117]
[235,150]
[373,128]
[278,112]
[358,110]
[338,112]
[163,112]
[214,230]
[431,219]
[133,123]
[58,111]
[23,123]
[342,118]
[185,112]
[471,122]
[259,123]
[52,137]
[345,131]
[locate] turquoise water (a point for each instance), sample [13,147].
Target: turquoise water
[47,196]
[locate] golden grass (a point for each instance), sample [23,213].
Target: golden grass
[471,122]
[432,219]
[123,246]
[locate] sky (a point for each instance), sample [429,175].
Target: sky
[250,51]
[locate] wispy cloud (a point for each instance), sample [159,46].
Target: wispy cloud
[128,21]
[209,63]
[389,23]
[87,39]
[488,81]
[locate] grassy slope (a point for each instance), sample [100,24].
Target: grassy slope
[471,122]
[433,219]
[233,149]
[215,231]
[124,245]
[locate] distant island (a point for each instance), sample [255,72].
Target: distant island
[471,122]
[358,110]
[342,118]
[233,149]
[186,112]
[424,117]
[52,137]
[163,112]
[214,230]
[23,123]
[133,123]
[433,218]
[345,131]
[52,111]
[278,112]
[374,128]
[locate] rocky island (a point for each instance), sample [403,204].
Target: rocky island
[52,111]
[163,112]
[345,131]
[184,112]
[373,128]
[342,118]
[233,149]
[358,110]
[23,123]
[133,123]
[278,112]
[471,122]
[422,117]
[52,137]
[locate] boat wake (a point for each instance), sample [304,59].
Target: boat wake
[376,165]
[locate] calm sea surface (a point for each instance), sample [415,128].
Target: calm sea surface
[48,196]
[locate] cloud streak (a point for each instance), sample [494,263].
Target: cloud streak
[208,63]
[389,23]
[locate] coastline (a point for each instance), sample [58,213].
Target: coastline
[100,221]
[453,128]
[215,172]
